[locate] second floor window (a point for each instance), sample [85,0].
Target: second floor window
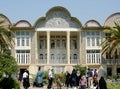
[93,38]
[22,38]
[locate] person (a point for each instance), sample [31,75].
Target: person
[78,79]
[67,81]
[26,83]
[83,82]
[95,82]
[102,83]
[50,78]
[95,73]
[20,77]
[39,78]
[90,78]
[73,77]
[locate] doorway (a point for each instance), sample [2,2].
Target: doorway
[118,71]
[109,71]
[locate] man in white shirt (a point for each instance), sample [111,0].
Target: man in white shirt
[51,77]
[25,74]
[26,83]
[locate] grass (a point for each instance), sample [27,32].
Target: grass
[113,86]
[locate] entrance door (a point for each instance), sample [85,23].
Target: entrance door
[22,70]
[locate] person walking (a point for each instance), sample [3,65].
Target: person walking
[51,76]
[78,79]
[90,78]
[39,78]
[67,81]
[102,83]
[73,78]
[26,83]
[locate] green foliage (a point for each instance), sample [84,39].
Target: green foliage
[45,74]
[116,77]
[80,68]
[8,65]
[61,77]
[111,44]
[9,83]
[113,86]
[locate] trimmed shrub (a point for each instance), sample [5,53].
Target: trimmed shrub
[9,83]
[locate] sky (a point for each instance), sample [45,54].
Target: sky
[83,10]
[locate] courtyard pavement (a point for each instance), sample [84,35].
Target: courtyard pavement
[45,87]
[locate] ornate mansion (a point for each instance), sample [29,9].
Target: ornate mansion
[61,41]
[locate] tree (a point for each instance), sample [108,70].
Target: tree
[80,68]
[8,65]
[111,43]
[5,39]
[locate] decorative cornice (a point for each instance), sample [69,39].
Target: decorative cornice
[94,28]
[22,28]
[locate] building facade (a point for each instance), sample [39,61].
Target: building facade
[60,41]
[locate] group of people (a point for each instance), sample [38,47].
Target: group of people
[74,80]
[77,81]
[24,79]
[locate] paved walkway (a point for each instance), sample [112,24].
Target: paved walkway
[45,87]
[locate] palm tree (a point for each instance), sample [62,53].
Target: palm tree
[111,44]
[5,39]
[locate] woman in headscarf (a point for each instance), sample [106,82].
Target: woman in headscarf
[40,78]
[102,83]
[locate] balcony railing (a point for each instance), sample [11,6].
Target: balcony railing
[74,61]
[112,61]
[58,61]
[42,61]
[22,61]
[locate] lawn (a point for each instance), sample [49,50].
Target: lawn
[113,86]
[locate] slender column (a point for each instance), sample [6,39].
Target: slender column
[80,49]
[68,47]
[48,46]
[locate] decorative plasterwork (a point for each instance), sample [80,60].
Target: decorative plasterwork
[22,23]
[111,19]
[5,19]
[58,17]
[92,23]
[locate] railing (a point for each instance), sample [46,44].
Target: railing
[112,61]
[74,61]
[42,61]
[58,61]
[22,61]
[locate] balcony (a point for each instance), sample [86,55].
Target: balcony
[58,61]
[74,61]
[42,61]
[112,61]
[22,61]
